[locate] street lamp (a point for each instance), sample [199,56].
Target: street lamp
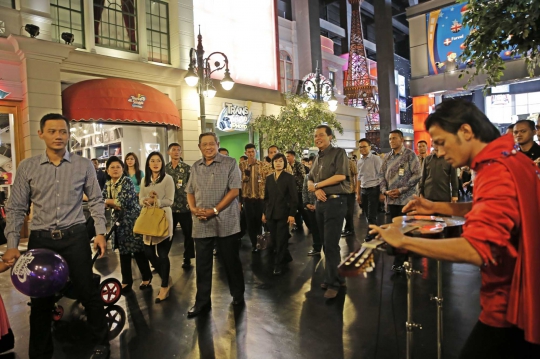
[199,74]
[320,88]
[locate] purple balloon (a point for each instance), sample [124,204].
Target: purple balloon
[40,273]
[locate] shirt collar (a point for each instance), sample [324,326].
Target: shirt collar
[498,148]
[400,152]
[325,151]
[45,159]
[369,155]
[218,159]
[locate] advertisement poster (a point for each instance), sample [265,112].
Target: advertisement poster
[446,34]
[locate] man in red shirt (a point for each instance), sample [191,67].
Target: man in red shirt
[500,234]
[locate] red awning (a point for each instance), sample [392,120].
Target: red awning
[118,100]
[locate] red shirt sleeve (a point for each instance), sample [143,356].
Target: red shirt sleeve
[494,216]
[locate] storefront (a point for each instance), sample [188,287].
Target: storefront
[114,117]
[437,35]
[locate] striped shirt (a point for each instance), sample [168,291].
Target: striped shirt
[56,193]
[209,184]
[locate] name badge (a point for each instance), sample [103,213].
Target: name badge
[179,183]
[401,172]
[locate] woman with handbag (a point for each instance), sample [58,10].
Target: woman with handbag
[119,194]
[280,202]
[157,195]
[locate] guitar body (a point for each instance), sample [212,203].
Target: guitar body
[431,227]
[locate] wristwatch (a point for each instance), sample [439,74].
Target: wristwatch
[315,185]
[216,212]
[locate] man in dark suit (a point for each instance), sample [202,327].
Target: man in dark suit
[99,173]
[280,204]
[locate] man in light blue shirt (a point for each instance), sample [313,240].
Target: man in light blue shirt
[367,189]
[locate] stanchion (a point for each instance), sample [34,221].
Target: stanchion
[439,300]
[410,325]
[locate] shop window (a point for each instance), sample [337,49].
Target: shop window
[157,31]
[8,3]
[115,24]
[67,16]
[285,71]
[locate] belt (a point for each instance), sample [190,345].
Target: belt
[334,196]
[56,234]
[246,199]
[366,188]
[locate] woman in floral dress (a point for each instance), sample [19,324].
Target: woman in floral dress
[119,194]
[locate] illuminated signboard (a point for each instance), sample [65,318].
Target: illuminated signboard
[245,31]
[446,35]
[233,118]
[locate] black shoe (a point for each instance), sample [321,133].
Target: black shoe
[397,268]
[196,310]
[346,233]
[127,289]
[187,263]
[255,250]
[146,286]
[101,352]
[278,271]
[313,252]
[238,301]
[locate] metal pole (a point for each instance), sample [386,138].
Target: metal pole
[439,300]
[201,72]
[410,325]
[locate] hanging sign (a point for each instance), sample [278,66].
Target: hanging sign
[233,118]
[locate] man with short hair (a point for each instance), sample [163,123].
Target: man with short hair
[367,189]
[500,234]
[400,173]
[524,136]
[328,179]
[510,129]
[101,177]
[212,194]
[422,152]
[243,158]
[254,175]
[299,173]
[272,151]
[223,151]
[439,181]
[179,171]
[55,182]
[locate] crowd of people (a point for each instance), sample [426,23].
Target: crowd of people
[217,201]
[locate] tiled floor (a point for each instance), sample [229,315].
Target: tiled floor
[285,317]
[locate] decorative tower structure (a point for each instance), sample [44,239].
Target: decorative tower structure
[359,89]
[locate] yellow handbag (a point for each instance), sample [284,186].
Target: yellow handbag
[152,222]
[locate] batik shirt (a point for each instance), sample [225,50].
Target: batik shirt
[180,176]
[254,178]
[299,173]
[400,170]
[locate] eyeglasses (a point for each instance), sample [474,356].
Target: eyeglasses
[363,146]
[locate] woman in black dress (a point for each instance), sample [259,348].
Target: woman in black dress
[280,202]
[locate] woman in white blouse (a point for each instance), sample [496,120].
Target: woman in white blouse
[157,188]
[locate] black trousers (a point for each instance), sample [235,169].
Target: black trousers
[254,211]
[279,231]
[498,343]
[229,248]
[158,255]
[349,216]
[76,251]
[330,216]
[395,211]
[370,203]
[187,225]
[142,263]
[312,219]
[299,217]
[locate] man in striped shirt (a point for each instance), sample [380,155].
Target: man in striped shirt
[54,182]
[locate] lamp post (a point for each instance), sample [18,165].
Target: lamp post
[320,88]
[199,74]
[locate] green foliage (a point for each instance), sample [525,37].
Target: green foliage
[293,128]
[503,25]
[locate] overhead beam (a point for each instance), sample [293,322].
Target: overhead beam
[367,7]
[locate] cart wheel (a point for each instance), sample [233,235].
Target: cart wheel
[116,319]
[110,291]
[58,313]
